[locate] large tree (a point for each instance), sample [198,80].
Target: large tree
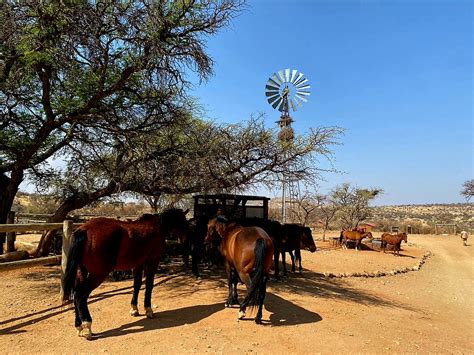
[187,156]
[92,70]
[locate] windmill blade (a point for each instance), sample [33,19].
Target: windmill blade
[305,93]
[273,84]
[301,98]
[272,91]
[300,75]
[277,102]
[287,75]
[305,87]
[300,81]
[276,79]
[271,94]
[272,99]
[293,75]
[281,75]
[298,101]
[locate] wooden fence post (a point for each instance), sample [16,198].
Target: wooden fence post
[11,236]
[67,233]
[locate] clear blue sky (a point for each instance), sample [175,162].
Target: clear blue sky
[397,75]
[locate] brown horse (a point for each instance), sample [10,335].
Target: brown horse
[393,239]
[248,258]
[294,238]
[355,236]
[102,245]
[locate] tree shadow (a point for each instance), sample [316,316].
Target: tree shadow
[166,319]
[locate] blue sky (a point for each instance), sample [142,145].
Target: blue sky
[397,75]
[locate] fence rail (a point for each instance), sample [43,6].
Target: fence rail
[67,227]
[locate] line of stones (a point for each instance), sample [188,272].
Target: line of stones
[404,270]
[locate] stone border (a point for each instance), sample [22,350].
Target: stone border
[404,270]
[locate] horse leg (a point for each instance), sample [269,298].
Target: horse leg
[137,284]
[261,298]
[298,258]
[150,270]
[293,268]
[245,278]
[195,256]
[276,263]
[283,262]
[357,245]
[232,279]
[81,294]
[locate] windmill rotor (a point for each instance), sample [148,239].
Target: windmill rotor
[287,89]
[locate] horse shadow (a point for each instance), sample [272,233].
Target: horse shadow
[166,319]
[285,313]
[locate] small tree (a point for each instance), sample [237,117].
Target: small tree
[353,204]
[328,210]
[468,189]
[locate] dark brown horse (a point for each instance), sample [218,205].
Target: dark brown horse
[248,258]
[294,238]
[355,236]
[393,239]
[102,245]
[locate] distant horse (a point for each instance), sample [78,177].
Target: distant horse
[355,236]
[274,231]
[464,236]
[248,258]
[102,245]
[393,239]
[294,238]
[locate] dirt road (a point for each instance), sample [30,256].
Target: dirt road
[430,310]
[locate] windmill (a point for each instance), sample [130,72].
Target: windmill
[287,89]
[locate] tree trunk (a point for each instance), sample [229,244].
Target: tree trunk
[8,189]
[72,203]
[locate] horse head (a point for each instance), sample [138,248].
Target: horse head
[404,237]
[215,230]
[307,240]
[368,235]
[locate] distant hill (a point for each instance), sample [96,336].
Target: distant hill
[461,214]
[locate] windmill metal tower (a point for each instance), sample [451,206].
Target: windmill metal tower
[287,88]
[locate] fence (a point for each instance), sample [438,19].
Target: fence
[67,227]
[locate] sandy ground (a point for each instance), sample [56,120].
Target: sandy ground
[430,310]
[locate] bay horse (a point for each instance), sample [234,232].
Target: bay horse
[393,239]
[248,258]
[274,231]
[294,238]
[355,236]
[103,244]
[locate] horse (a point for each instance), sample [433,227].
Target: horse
[393,239]
[295,237]
[274,230]
[464,236]
[248,258]
[356,236]
[102,245]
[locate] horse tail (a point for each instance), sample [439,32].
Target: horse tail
[74,255]
[340,237]
[253,293]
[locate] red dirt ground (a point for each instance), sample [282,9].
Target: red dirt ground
[430,310]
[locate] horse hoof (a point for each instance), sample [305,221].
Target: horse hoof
[241,315]
[79,329]
[149,313]
[134,311]
[258,320]
[86,331]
